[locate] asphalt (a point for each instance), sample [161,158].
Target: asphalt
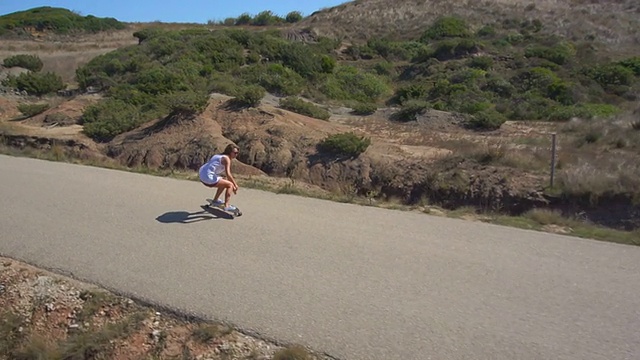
[355,282]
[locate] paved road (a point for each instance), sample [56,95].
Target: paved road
[355,282]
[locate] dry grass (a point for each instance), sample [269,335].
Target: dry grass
[292,353]
[535,158]
[599,156]
[553,221]
[599,176]
[204,333]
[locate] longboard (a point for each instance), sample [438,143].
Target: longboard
[235,213]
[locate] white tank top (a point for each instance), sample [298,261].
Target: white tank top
[213,166]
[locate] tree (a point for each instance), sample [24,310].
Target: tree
[293,17]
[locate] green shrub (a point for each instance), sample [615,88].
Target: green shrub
[186,102]
[29,62]
[274,78]
[473,107]
[364,109]
[109,118]
[346,144]
[30,110]
[632,63]
[500,87]
[486,31]
[561,91]
[266,18]
[559,54]
[455,48]
[293,17]
[304,108]
[250,95]
[301,58]
[384,68]
[537,78]
[446,27]
[349,83]
[488,119]
[481,62]
[36,83]
[244,19]
[611,75]
[410,110]
[411,92]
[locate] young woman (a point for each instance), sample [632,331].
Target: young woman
[211,176]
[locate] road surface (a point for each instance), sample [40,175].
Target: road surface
[354,282]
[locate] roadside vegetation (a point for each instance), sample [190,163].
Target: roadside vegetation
[537,219]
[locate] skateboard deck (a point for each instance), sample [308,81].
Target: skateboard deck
[235,213]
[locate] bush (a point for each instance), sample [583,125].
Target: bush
[349,83]
[488,119]
[410,110]
[611,75]
[249,95]
[446,27]
[537,78]
[481,62]
[266,18]
[36,83]
[455,48]
[186,102]
[275,78]
[30,110]
[410,92]
[347,144]
[364,109]
[305,108]
[500,87]
[293,17]
[632,63]
[559,54]
[29,62]
[108,118]
[486,31]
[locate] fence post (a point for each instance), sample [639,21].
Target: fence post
[553,158]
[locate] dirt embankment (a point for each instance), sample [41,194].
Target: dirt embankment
[48,316]
[404,163]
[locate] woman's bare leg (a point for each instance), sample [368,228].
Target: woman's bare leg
[226,186]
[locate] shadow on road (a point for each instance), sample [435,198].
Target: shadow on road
[185,217]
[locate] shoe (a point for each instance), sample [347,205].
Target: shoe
[230,208]
[218,203]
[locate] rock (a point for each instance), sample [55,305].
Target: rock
[49,307]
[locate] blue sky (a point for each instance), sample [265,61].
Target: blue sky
[196,11]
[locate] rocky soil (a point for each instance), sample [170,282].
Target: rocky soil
[44,315]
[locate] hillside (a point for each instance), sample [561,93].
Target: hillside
[55,20]
[614,23]
[450,113]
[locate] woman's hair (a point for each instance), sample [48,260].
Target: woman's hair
[229,149]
